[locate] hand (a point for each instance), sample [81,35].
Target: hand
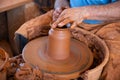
[56,13]
[60,5]
[71,15]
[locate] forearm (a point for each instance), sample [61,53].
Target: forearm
[59,3]
[109,12]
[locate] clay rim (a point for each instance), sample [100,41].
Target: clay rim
[106,58]
[58,73]
[6,59]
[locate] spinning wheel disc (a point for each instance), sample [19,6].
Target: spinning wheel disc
[80,59]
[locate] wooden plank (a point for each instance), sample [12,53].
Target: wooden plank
[15,19]
[6,46]
[10,4]
[3,26]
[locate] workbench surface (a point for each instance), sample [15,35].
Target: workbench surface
[10,4]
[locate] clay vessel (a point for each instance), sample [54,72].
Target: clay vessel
[58,54]
[3,60]
[59,43]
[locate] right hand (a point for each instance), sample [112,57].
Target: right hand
[71,15]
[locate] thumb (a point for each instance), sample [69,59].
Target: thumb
[78,22]
[73,25]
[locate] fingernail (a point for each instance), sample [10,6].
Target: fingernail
[60,24]
[53,26]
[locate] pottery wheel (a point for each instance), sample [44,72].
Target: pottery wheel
[80,59]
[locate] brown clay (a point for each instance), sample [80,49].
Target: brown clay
[22,72]
[59,43]
[99,49]
[3,60]
[49,55]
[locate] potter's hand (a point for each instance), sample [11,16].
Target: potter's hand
[60,5]
[71,15]
[56,13]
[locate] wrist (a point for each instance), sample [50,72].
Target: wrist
[85,12]
[93,12]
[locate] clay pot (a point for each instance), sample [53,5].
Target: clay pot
[58,54]
[3,60]
[59,43]
[94,74]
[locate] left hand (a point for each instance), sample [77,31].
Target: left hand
[56,13]
[71,15]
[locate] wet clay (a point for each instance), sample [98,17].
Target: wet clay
[17,69]
[99,49]
[3,60]
[58,54]
[59,44]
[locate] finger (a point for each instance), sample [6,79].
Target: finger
[55,17]
[59,10]
[55,24]
[79,21]
[64,22]
[60,18]
[73,25]
[55,13]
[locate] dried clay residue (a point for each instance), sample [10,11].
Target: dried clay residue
[93,44]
